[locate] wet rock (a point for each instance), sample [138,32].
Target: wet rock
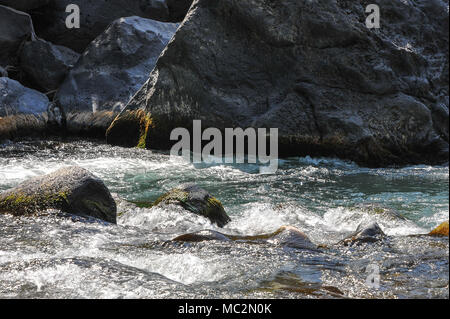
[17,99]
[46,64]
[291,237]
[313,70]
[196,200]
[204,235]
[441,230]
[95,17]
[15,28]
[285,236]
[73,190]
[114,67]
[365,233]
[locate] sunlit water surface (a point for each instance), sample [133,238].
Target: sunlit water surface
[325,198]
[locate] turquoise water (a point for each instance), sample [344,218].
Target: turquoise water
[326,198]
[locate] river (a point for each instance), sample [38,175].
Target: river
[54,257]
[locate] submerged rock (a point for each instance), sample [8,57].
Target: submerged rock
[73,190]
[441,230]
[313,70]
[46,64]
[114,67]
[17,99]
[365,233]
[285,236]
[15,27]
[196,200]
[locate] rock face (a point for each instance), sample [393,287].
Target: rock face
[441,230]
[17,99]
[313,70]
[46,64]
[72,190]
[114,66]
[370,233]
[95,16]
[15,27]
[196,200]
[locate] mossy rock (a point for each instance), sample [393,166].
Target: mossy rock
[196,200]
[130,129]
[73,190]
[441,230]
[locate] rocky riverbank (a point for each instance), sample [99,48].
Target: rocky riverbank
[313,70]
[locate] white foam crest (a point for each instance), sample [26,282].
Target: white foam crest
[346,220]
[168,219]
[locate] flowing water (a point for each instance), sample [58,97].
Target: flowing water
[55,257]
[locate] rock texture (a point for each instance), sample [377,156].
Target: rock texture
[95,16]
[15,28]
[24,5]
[114,66]
[195,200]
[72,190]
[17,99]
[46,64]
[314,70]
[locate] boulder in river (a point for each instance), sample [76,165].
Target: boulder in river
[441,230]
[45,64]
[72,190]
[196,200]
[114,66]
[365,233]
[15,28]
[313,70]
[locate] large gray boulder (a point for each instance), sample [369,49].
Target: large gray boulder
[114,66]
[24,5]
[46,65]
[95,16]
[73,190]
[313,70]
[17,99]
[15,28]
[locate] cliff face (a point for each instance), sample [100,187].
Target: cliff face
[313,70]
